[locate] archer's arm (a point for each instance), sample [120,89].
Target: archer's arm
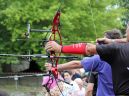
[66,66]
[123,40]
[107,41]
[80,48]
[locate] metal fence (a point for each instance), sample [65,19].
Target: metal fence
[27,83]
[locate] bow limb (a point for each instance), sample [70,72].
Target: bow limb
[55,31]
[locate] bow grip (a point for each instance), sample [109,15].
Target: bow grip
[54,72]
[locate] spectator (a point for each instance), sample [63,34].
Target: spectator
[82,90]
[71,88]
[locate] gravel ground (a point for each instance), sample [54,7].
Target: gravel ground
[22,91]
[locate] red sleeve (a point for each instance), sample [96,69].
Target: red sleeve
[79,48]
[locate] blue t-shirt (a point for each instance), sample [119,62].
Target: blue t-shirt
[105,85]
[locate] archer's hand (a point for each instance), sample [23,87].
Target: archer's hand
[53,46]
[104,40]
[48,66]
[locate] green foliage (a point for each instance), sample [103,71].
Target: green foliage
[89,19]
[83,20]
[125,4]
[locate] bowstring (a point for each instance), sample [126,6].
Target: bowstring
[93,20]
[94,26]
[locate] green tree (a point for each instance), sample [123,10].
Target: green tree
[125,4]
[83,20]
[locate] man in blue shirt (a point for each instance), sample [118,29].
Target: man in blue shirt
[105,86]
[94,63]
